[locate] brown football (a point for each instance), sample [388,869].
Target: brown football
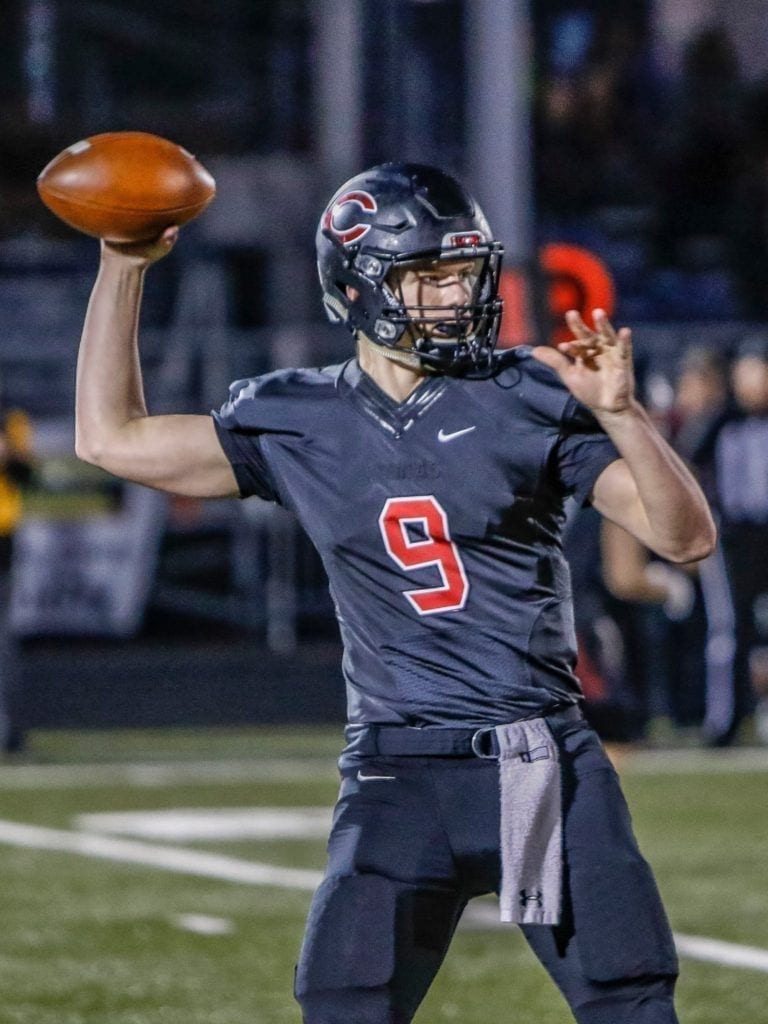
[125,186]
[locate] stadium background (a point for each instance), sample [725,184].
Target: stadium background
[584,124]
[637,131]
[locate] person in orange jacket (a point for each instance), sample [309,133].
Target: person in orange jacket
[15,475]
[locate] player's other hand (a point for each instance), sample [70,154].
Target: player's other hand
[596,366]
[144,253]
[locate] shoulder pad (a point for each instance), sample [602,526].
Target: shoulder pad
[536,384]
[276,401]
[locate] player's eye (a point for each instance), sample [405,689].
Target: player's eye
[447,278]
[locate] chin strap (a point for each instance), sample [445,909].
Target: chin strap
[401,356]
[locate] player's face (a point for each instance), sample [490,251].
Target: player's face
[426,288]
[749,376]
[699,390]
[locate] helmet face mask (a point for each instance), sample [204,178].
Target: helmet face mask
[447,336]
[400,217]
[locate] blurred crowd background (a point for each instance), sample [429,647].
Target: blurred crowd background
[620,149]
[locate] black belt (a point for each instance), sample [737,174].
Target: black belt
[397,740]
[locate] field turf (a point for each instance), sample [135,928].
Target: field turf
[87,939]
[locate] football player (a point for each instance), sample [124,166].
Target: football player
[431,474]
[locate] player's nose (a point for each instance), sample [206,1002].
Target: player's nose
[453,292]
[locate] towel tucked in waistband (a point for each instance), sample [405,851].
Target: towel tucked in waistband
[531,823]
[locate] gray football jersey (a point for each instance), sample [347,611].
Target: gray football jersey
[438,520]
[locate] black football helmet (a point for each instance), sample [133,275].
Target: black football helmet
[398,214]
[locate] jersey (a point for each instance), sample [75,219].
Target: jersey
[438,520]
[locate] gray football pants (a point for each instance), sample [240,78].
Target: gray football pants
[415,838]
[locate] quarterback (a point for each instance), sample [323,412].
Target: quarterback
[431,473]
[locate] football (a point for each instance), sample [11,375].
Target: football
[125,186]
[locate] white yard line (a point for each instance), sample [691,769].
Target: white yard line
[232,869]
[178,859]
[204,924]
[190,824]
[149,775]
[484,914]
[152,775]
[716,952]
[695,762]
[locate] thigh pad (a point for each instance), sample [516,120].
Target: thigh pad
[350,935]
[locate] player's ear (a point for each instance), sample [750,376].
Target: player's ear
[352,293]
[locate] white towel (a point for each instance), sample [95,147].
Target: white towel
[531,823]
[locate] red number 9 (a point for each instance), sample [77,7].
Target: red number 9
[436,549]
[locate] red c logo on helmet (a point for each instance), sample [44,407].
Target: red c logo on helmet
[351,234]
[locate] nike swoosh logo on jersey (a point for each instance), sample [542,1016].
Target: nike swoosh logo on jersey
[442,436]
[375,778]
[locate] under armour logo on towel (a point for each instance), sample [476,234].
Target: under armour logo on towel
[536,897]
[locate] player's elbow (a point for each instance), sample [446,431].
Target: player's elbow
[697,545]
[86,452]
[692,553]
[91,450]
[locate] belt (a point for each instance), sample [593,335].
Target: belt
[397,740]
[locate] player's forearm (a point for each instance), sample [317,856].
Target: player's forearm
[110,393]
[672,517]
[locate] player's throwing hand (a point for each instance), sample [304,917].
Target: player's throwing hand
[596,366]
[145,252]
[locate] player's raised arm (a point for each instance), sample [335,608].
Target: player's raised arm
[649,491]
[180,454]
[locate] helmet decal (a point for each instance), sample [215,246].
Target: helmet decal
[462,239]
[357,231]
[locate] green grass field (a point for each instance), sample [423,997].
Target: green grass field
[89,940]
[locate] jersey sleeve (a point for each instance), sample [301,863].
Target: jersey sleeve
[580,449]
[269,422]
[248,414]
[244,451]
[582,452]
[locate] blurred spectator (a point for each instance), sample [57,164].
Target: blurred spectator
[632,617]
[657,602]
[644,625]
[15,474]
[701,405]
[609,638]
[741,476]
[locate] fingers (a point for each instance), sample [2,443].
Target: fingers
[577,326]
[579,348]
[603,327]
[593,341]
[146,251]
